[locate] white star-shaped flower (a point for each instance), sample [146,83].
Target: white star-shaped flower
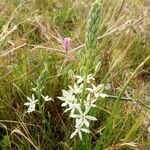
[81,79]
[83,117]
[89,102]
[72,107]
[79,129]
[31,103]
[75,89]
[96,89]
[67,98]
[47,98]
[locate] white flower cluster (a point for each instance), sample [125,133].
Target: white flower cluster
[32,102]
[72,100]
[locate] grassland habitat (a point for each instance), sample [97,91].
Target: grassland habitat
[74,75]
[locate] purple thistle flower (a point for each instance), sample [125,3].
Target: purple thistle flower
[66,43]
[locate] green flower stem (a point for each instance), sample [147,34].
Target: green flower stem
[41,111]
[126,99]
[90,46]
[85,81]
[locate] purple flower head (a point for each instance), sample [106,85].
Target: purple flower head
[66,43]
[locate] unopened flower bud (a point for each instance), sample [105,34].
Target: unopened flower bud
[66,43]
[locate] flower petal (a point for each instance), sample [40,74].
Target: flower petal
[86,123]
[103,95]
[73,134]
[61,98]
[85,130]
[80,135]
[64,104]
[67,110]
[90,118]
[75,116]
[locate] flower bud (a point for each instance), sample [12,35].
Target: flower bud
[66,43]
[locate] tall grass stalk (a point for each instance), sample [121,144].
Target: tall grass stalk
[116,111]
[128,82]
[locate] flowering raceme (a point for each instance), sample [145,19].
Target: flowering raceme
[72,100]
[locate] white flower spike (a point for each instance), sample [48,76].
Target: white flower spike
[72,100]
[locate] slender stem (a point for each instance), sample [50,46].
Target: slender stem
[85,81]
[126,99]
[133,74]
[127,83]
[46,123]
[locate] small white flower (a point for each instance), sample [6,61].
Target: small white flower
[96,89]
[67,98]
[33,89]
[31,103]
[88,103]
[72,107]
[83,117]
[75,89]
[79,79]
[79,129]
[82,79]
[47,98]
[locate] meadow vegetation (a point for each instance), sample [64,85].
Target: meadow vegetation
[108,45]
